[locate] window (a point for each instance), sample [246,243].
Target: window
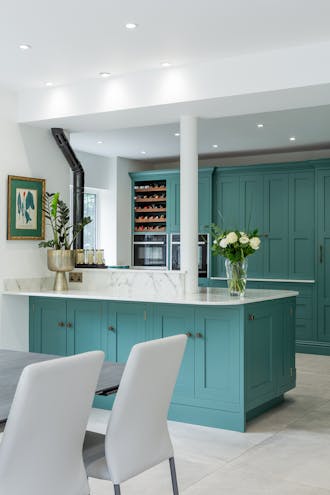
[90,229]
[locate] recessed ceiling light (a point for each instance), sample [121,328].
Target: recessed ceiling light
[166,64]
[105,74]
[260,125]
[215,146]
[292,138]
[131,25]
[25,46]
[143,152]
[100,142]
[176,134]
[48,84]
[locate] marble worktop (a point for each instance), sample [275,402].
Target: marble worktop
[204,296]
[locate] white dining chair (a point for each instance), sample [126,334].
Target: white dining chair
[41,448]
[137,436]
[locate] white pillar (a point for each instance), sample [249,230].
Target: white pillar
[189,201]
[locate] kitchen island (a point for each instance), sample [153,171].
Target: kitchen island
[239,360]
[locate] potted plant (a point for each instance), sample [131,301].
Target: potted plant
[235,246]
[61,256]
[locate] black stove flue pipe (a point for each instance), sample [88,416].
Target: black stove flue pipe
[78,181]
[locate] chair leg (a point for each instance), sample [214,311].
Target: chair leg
[173,476]
[117,489]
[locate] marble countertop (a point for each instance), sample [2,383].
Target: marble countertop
[204,296]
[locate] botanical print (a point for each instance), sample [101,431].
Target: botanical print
[26,209]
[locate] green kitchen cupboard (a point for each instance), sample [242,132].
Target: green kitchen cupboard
[126,326]
[171,320]
[276,225]
[323,255]
[84,325]
[48,326]
[301,214]
[63,327]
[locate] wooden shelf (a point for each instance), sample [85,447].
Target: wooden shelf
[149,200]
[149,210]
[150,189]
[159,220]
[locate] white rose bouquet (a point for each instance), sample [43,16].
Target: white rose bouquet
[234,245]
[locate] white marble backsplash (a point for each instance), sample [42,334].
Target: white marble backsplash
[115,281]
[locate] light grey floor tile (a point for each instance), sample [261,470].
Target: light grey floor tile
[242,482]
[158,479]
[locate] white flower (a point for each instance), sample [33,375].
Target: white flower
[232,238]
[215,241]
[244,239]
[255,243]
[224,242]
[242,234]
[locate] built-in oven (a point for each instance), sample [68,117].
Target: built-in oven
[203,241]
[150,250]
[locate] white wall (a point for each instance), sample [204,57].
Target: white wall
[30,152]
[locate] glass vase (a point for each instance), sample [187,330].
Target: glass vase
[236,276]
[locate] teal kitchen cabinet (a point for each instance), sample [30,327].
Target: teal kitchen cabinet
[64,327]
[276,225]
[126,326]
[84,325]
[269,352]
[170,319]
[323,256]
[301,216]
[204,200]
[48,326]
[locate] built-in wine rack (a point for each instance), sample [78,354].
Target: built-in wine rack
[150,206]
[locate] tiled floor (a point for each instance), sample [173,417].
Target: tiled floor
[283,452]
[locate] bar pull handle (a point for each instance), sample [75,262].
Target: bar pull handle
[321,253]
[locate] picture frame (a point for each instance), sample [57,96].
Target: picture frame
[25,215]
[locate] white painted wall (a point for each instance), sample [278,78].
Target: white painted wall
[30,152]
[124,208]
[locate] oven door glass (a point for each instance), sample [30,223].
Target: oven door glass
[149,255]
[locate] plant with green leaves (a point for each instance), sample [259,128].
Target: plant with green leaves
[57,214]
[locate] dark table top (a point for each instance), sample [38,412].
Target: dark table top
[13,362]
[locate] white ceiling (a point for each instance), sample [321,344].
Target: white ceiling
[235,135]
[73,40]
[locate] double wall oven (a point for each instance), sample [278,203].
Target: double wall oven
[151,251]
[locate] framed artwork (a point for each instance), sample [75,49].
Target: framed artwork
[25,216]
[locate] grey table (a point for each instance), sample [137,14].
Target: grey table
[12,364]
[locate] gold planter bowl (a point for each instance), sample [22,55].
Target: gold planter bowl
[60,261]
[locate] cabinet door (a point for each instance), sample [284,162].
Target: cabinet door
[226,211]
[219,357]
[128,322]
[301,225]
[49,326]
[173,320]
[276,245]
[285,343]
[251,217]
[204,201]
[173,204]
[261,321]
[84,326]
[323,254]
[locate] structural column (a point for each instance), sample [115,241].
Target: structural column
[189,201]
